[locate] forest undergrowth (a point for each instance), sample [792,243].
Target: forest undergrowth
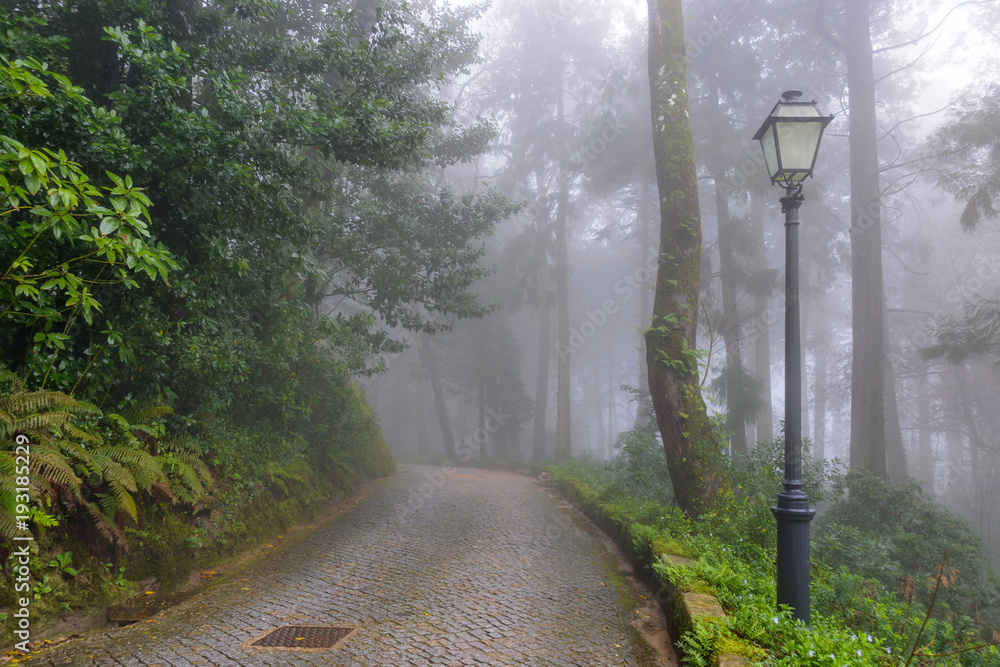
[897,579]
[145,495]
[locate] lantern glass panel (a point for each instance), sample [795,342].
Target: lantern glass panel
[770,152]
[798,140]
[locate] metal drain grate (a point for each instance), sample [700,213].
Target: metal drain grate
[304,637]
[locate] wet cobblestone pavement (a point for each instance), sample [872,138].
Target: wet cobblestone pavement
[472,568]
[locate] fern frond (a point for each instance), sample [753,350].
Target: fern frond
[40,422]
[144,412]
[114,472]
[181,443]
[6,423]
[136,459]
[164,491]
[42,518]
[139,430]
[8,524]
[74,449]
[27,402]
[122,426]
[105,527]
[125,501]
[7,464]
[199,466]
[188,476]
[56,471]
[73,431]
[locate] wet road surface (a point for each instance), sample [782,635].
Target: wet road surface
[435,567]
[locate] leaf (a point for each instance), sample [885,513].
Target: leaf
[32,182]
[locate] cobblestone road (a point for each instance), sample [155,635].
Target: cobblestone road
[471,568]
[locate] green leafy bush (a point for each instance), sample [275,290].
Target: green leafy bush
[885,531]
[880,592]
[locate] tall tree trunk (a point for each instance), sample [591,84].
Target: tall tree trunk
[736,413]
[612,421]
[895,452]
[976,447]
[762,340]
[481,391]
[423,439]
[646,252]
[562,296]
[691,451]
[821,343]
[399,416]
[925,448]
[805,317]
[954,442]
[427,354]
[375,394]
[602,442]
[868,351]
[542,383]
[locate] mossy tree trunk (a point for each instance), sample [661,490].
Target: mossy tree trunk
[691,451]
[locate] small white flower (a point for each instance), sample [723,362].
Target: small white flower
[812,653]
[775,619]
[869,639]
[859,653]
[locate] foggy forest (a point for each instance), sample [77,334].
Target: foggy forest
[257,253]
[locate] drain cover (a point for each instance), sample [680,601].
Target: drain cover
[304,637]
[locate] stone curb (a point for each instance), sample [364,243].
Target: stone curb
[682,608]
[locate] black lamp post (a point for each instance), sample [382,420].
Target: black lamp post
[790,138]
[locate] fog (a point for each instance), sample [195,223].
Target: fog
[566,85]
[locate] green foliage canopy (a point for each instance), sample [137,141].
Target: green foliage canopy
[285,154]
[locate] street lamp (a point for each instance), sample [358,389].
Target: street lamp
[790,139]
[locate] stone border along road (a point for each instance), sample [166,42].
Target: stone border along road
[474,567]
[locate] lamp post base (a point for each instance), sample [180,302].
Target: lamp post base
[793,515]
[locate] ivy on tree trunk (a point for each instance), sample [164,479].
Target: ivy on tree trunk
[690,448]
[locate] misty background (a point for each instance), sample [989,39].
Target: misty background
[565,84]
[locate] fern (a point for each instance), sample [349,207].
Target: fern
[73,444]
[105,527]
[701,644]
[142,418]
[188,485]
[54,468]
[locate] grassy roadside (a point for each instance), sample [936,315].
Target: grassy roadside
[880,592]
